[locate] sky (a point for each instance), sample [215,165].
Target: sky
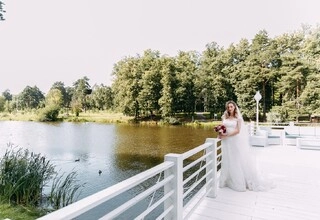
[42,42]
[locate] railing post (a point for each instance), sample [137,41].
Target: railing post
[252,128]
[213,190]
[177,200]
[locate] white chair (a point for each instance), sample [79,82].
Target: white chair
[260,138]
[274,137]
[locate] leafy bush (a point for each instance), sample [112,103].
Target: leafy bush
[274,117]
[278,114]
[49,113]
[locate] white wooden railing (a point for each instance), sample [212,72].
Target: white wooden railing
[182,181]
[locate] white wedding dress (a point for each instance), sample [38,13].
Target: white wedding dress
[239,169]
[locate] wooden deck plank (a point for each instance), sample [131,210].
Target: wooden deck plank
[296,173]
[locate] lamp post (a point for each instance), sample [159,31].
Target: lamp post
[257,97]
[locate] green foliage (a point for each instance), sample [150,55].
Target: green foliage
[212,82]
[80,94]
[102,97]
[19,212]
[66,96]
[127,86]
[186,65]
[76,107]
[30,98]
[310,97]
[8,107]
[7,95]
[54,97]
[64,191]
[23,174]
[2,103]
[151,87]
[280,114]
[169,83]
[285,69]
[275,116]
[49,113]
[2,11]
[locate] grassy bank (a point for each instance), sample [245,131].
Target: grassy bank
[19,116]
[101,117]
[18,212]
[111,117]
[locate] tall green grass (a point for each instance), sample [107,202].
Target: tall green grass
[23,176]
[64,191]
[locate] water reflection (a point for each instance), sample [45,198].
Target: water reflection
[119,151]
[135,161]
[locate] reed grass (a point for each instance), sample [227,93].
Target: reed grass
[23,176]
[64,191]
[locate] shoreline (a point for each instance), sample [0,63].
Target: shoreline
[111,117]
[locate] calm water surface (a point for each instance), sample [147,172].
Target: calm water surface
[120,151]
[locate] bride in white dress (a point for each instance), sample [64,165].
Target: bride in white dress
[239,169]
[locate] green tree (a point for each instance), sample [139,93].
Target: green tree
[31,97]
[185,67]
[69,95]
[293,72]
[79,100]
[263,63]
[241,77]
[310,97]
[127,86]
[60,86]
[2,11]
[54,98]
[149,96]
[102,97]
[8,106]
[211,80]
[7,95]
[311,47]
[169,83]
[2,103]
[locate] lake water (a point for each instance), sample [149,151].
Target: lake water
[118,150]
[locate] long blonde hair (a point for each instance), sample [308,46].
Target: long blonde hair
[226,114]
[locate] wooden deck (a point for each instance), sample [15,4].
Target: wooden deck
[296,173]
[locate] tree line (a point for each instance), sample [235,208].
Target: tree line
[2,11]
[285,69]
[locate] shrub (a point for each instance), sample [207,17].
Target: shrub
[49,113]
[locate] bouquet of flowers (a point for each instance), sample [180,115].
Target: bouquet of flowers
[220,129]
